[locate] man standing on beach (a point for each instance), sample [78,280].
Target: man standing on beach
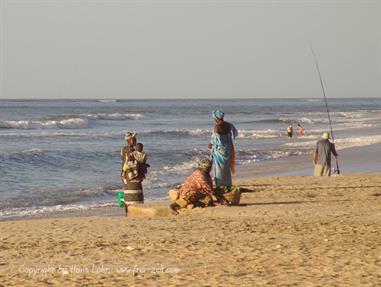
[322,156]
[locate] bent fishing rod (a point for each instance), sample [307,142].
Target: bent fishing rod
[326,103]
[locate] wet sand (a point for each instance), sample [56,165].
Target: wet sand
[289,231]
[351,160]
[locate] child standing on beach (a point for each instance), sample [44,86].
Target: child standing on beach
[141,160]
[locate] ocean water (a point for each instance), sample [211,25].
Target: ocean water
[64,154]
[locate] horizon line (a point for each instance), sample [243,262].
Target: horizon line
[243,98]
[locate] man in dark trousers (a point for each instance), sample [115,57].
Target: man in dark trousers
[322,156]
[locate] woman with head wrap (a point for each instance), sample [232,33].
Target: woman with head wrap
[133,170]
[126,153]
[222,150]
[196,189]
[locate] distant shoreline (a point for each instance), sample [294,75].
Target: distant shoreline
[186,99]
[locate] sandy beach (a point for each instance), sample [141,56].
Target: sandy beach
[106,103]
[288,231]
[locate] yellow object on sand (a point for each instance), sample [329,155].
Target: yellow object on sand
[173,194]
[233,197]
[182,202]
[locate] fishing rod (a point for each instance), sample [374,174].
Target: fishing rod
[326,103]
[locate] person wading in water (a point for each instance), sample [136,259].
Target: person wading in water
[290,131]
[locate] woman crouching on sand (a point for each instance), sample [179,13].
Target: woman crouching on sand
[197,188]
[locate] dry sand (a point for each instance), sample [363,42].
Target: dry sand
[289,231]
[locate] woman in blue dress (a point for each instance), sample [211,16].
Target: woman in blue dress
[222,150]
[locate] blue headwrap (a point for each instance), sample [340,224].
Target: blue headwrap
[218,115]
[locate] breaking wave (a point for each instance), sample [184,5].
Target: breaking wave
[242,133]
[113,116]
[242,157]
[259,134]
[313,100]
[60,133]
[72,123]
[286,120]
[107,101]
[179,132]
[21,212]
[77,122]
[341,143]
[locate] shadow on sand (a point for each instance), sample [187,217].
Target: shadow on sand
[273,203]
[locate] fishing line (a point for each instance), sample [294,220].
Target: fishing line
[326,103]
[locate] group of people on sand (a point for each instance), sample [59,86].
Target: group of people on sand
[198,189]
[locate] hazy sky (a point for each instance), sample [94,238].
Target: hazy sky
[188,49]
